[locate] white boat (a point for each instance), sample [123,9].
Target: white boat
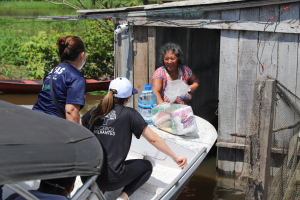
[167,180]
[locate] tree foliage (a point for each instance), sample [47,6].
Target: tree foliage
[39,54]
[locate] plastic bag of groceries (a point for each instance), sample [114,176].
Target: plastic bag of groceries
[177,119]
[176,88]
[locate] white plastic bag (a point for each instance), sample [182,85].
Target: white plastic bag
[176,88]
[174,118]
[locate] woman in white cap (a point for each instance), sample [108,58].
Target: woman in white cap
[113,124]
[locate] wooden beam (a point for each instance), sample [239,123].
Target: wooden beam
[140,60]
[204,5]
[260,190]
[223,25]
[229,50]
[151,51]
[230,145]
[247,67]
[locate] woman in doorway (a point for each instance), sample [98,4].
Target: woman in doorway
[171,58]
[113,124]
[63,92]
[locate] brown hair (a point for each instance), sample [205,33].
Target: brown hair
[105,106]
[69,48]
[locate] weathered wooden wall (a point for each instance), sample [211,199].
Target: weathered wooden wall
[234,54]
[135,57]
[239,68]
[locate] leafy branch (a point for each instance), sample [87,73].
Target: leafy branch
[64,2]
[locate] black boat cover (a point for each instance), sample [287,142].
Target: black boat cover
[35,145]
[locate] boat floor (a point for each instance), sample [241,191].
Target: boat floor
[160,178]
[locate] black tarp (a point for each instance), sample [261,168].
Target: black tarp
[35,145]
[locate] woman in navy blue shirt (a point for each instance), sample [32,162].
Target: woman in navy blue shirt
[68,83]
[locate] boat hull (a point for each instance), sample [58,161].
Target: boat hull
[35,86]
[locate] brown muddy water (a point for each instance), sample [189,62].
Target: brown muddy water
[205,183]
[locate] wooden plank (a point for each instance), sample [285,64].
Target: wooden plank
[247,66]
[228,80]
[118,55]
[140,60]
[266,127]
[227,93]
[199,5]
[216,15]
[126,57]
[265,140]
[268,46]
[239,162]
[230,145]
[221,24]
[226,161]
[151,52]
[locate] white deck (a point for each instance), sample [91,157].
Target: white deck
[165,169]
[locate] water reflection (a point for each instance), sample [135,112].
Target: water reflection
[205,184]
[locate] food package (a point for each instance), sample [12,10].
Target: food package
[174,118]
[176,88]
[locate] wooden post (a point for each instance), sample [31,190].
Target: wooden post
[140,60]
[123,56]
[260,191]
[151,50]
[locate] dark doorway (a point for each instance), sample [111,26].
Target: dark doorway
[201,49]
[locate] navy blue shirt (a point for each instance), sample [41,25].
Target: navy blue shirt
[69,87]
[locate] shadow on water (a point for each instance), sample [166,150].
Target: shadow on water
[205,184]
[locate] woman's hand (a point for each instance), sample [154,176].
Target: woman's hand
[193,87]
[160,144]
[193,82]
[181,161]
[72,113]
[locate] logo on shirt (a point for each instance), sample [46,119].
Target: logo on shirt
[58,70]
[110,116]
[104,130]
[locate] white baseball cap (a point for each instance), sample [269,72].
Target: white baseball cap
[123,87]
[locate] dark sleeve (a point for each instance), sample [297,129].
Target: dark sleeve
[138,124]
[86,119]
[76,91]
[12,196]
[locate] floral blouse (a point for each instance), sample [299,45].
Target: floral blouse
[184,74]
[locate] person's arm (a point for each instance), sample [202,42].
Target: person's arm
[72,113]
[158,143]
[157,89]
[193,83]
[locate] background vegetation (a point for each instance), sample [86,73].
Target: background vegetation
[32,57]
[28,44]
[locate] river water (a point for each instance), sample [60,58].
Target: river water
[205,183]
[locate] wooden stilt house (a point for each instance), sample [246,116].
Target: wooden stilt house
[228,44]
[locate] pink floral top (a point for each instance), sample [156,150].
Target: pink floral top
[184,72]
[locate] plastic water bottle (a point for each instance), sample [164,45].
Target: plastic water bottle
[147,101]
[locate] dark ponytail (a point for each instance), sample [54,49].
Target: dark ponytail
[105,106]
[69,48]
